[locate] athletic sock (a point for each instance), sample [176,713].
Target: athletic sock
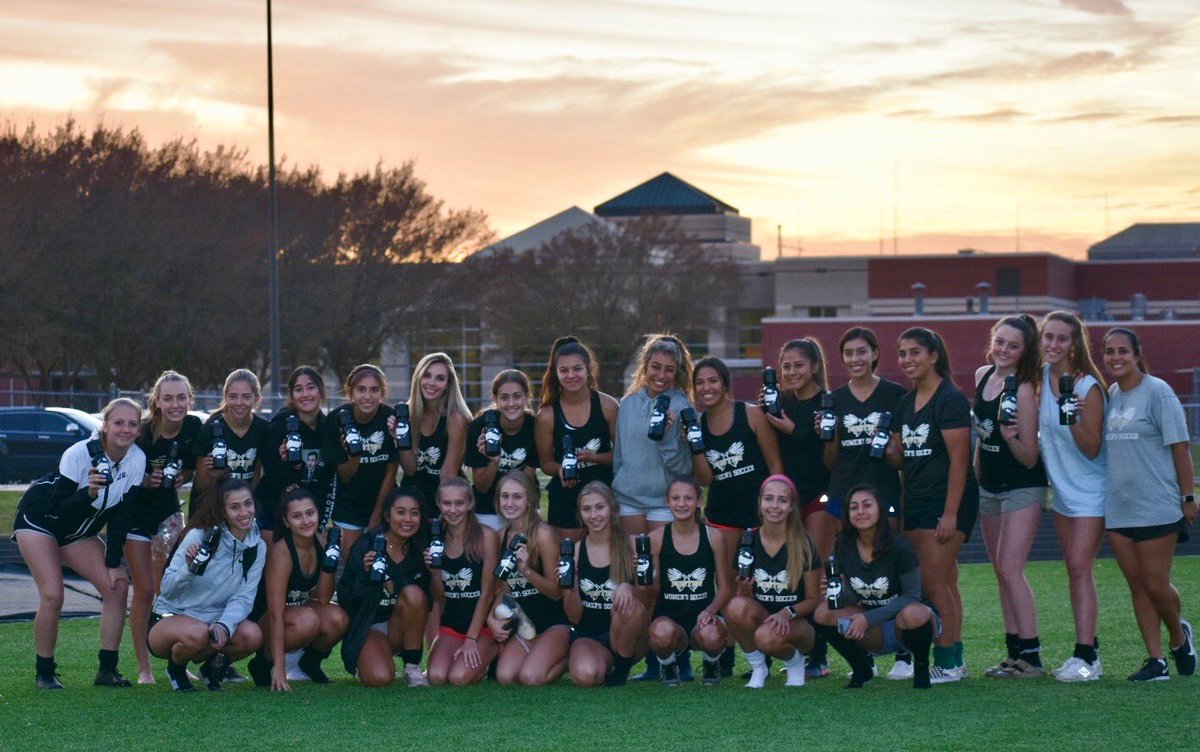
[1012,642]
[944,657]
[1085,652]
[310,664]
[728,658]
[712,658]
[755,658]
[854,654]
[620,670]
[108,660]
[958,654]
[820,651]
[411,655]
[666,661]
[795,670]
[44,666]
[918,641]
[758,669]
[1031,651]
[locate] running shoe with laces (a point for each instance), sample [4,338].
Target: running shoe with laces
[1154,669]
[816,670]
[670,674]
[107,677]
[939,675]
[712,674]
[233,676]
[415,676]
[213,670]
[1001,669]
[902,670]
[48,681]
[1185,655]
[1077,669]
[178,678]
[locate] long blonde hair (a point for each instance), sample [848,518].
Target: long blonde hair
[800,548]
[241,374]
[473,534]
[1080,356]
[671,346]
[451,401]
[529,523]
[620,552]
[154,413]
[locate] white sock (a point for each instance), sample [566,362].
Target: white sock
[711,658]
[666,661]
[755,658]
[758,669]
[795,670]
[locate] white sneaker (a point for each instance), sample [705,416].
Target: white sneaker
[901,671]
[1077,670]
[758,677]
[294,672]
[939,675]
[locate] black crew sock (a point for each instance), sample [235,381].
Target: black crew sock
[861,664]
[620,670]
[1013,643]
[411,655]
[45,666]
[1031,651]
[820,651]
[310,664]
[727,659]
[918,641]
[1085,652]
[1096,644]
[108,660]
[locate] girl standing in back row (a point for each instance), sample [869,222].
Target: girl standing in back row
[439,415]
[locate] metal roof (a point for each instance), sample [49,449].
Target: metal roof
[664,194]
[1150,240]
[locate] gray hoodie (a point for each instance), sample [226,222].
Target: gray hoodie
[642,469]
[224,594]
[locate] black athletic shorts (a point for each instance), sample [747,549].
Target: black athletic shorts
[604,638]
[1150,532]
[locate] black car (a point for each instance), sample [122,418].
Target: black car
[32,439]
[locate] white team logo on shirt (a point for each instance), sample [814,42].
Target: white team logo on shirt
[1118,419]
[242,462]
[686,580]
[429,460]
[373,443]
[771,583]
[457,581]
[730,459]
[915,437]
[295,596]
[876,589]
[985,427]
[514,460]
[602,592]
[856,426]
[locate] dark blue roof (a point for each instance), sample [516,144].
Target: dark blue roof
[665,194]
[1150,240]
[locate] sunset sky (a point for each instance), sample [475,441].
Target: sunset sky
[980,116]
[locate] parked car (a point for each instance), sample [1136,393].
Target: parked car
[32,439]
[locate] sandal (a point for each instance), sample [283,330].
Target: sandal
[1002,669]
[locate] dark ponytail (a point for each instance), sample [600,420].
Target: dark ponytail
[932,342]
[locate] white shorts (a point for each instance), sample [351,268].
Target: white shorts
[491,520]
[658,514]
[348,526]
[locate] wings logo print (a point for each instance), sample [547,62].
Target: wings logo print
[517,581]
[594,592]
[876,589]
[373,443]
[1118,419]
[856,426]
[769,583]
[726,460]
[593,446]
[243,462]
[429,459]
[460,580]
[514,460]
[985,427]
[915,437]
[686,580]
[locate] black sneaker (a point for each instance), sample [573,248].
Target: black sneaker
[178,677]
[107,677]
[712,674]
[260,670]
[685,666]
[48,681]
[1185,655]
[232,675]
[213,671]
[1154,669]
[728,656]
[310,664]
[670,674]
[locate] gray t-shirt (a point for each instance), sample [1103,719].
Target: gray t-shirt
[1141,426]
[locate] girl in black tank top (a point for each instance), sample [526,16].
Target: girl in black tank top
[290,617]
[738,468]
[465,586]
[610,614]
[437,452]
[693,587]
[999,469]
[593,436]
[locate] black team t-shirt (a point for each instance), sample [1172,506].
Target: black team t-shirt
[242,456]
[857,422]
[885,585]
[517,452]
[770,573]
[312,473]
[355,499]
[803,452]
[162,502]
[926,461]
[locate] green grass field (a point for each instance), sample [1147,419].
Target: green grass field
[977,714]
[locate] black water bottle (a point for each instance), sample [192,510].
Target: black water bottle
[351,435]
[882,435]
[100,461]
[745,555]
[1068,405]
[220,449]
[828,417]
[508,562]
[491,433]
[570,463]
[437,546]
[566,564]
[833,584]
[695,437]
[403,432]
[645,568]
[379,563]
[658,418]
[170,469]
[208,547]
[771,402]
[292,441]
[333,550]
[1008,402]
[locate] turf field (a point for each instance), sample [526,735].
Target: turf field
[980,713]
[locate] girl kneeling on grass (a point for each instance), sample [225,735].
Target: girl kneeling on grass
[387,617]
[291,617]
[882,589]
[533,587]
[204,617]
[610,620]
[463,586]
[771,613]
[694,583]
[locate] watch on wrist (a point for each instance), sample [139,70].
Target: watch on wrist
[1188,499]
[791,612]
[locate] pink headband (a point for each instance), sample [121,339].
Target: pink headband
[786,481]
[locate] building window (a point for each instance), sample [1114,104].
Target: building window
[457,335]
[749,332]
[822,312]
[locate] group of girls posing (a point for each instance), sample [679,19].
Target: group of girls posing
[766,471]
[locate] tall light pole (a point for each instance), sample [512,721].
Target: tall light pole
[275,368]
